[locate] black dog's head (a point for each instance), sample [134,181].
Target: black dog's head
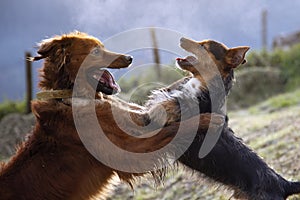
[210,54]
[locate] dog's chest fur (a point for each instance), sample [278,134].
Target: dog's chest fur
[186,98]
[176,102]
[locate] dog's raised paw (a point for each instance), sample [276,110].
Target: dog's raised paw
[211,120]
[217,119]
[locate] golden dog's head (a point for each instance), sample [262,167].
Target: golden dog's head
[78,55]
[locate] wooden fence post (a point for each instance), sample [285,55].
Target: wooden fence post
[156,54]
[264,33]
[28,82]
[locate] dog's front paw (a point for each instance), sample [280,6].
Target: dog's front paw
[211,120]
[217,119]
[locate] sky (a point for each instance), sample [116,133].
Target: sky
[233,22]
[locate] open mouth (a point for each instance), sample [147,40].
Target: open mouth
[189,61]
[102,81]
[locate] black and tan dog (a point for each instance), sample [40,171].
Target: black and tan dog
[230,162]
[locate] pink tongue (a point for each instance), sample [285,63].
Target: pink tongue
[111,82]
[107,77]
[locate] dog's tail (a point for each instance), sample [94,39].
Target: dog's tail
[291,188]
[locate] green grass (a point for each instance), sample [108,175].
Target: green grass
[288,61]
[7,107]
[277,102]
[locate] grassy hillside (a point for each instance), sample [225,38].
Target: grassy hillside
[271,128]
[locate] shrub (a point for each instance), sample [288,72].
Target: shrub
[254,85]
[258,59]
[290,66]
[8,106]
[288,61]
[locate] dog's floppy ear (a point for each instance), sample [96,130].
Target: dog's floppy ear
[236,56]
[45,48]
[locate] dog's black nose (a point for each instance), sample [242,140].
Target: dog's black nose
[129,59]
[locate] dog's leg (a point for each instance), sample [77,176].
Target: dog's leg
[116,100]
[165,112]
[234,164]
[161,114]
[163,137]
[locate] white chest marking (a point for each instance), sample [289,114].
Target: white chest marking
[193,86]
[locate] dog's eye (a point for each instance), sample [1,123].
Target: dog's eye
[95,51]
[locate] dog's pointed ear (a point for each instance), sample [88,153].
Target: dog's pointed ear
[45,48]
[236,56]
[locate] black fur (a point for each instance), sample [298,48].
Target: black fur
[217,50]
[234,164]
